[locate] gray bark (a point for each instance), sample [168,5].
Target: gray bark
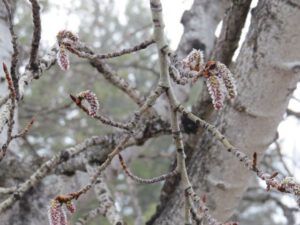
[200,24]
[28,209]
[267,71]
[269,61]
[6,50]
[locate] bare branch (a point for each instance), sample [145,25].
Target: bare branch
[25,130]
[104,119]
[119,82]
[14,59]
[8,190]
[36,37]
[136,48]
[233,24]
[46,168]
[11,112]
[293,113]
[25,79]
[143,180]
[105,199]
[287,185]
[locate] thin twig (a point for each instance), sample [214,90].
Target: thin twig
[26,78]
[122,145]
[143,180]
[92,56]
[46,168]
[14,41]
[156,9]
[8,190]
[286,185]
[111,76]
[11,113]
[25,130]
[77,194]
[104,119]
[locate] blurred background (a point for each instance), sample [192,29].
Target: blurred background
[109,25]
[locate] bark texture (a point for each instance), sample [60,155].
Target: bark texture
[6,50]
[233,24]
[200,24]
[267,71]
[28,209]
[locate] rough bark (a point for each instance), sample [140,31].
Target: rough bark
[5,54]
[269,61]
[200,24]
[267,71]
[28,210]
[233,24]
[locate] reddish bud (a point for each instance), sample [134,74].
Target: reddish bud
[65,34]
[216,91]
[228,79]
[220,82]
[9,81]
[70,206]
[63,58]
[56,214]
[92,100]
[193,61]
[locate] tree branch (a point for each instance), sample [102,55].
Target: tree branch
[233,23]
[14,41]
[36,37]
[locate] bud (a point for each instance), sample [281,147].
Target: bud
[70,206]
[220,82]
[68,35]
[193,61]
[65,39]
[189,67]
[92,100]
[228,79]
[56,214]
[63,58]
[216,91]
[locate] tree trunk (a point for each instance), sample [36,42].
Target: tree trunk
[200,24]
[6,48]
[31,209]
[267,71]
